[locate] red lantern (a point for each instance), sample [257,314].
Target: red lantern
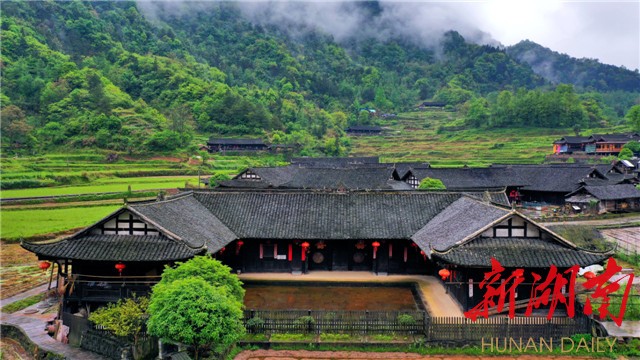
[444,274]
[44,265]
[290,253]
[375,245]
[120,266]
[305,246]
[424,255]
[239,245]
[589,275]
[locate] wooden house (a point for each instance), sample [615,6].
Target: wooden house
[227,144]
[607,198]
[361,130]
[298,232]
[571,144]
[432,105]
[611,144]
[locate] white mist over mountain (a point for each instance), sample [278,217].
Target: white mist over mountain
[605,30]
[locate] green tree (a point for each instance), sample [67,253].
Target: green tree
[209,269]
[217,178]
[625,154]
[193,311]
[431,184]
[633,117]
[634,146]
[125,318]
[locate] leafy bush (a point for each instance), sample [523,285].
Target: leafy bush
[406,320]
[255,323]
[127,317]
[305,323]
[431,184]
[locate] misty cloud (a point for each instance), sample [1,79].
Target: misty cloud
[607,30]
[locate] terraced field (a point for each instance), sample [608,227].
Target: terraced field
[438,137]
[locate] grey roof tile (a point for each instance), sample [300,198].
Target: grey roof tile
[518,252]
[115,248]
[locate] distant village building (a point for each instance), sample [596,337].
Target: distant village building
[228,144]
[597,144]
[608,198]
[432,105]
[359,130]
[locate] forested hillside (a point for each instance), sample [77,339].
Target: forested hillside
[106,75]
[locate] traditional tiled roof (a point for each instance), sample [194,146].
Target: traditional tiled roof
[518,252]
[572,140]
[456,223]
[330,216]
[186,219]
[115,248]
[611,192]
[618,138]
[403,167]
[228,141]
[470,178]
[335,161]
[375,177]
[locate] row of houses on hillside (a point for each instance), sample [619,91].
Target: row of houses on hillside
[534,184]
[597,144]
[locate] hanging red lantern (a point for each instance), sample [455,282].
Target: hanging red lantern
[375,245]
[239,245]
[424,255]
[589,275]
[444,273]
[290,253]
[305,246]
[120,266]
[44,265]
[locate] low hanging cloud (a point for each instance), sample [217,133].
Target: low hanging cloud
[607,30]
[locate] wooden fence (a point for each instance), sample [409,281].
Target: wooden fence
[435,329]
[322,321]
[463,330]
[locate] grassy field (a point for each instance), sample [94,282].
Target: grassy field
[25,223]
[106,185]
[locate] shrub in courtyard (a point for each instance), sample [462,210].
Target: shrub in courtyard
[305,323]
[406,320]
[255,323]
[125,318]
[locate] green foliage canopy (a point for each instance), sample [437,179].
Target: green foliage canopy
[125,318]
[431,184]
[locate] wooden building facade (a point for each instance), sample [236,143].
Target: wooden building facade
[298,232]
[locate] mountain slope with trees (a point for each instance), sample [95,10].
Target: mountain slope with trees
[102,75]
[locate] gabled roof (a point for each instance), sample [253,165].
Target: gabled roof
[115,248]
[375,177]
[519,252]
[330,216]
[229,141]
[610,192]
[336,162]
[573,140]
[187,219]
[403,167]
[619,138]
[457,223]
[469,178]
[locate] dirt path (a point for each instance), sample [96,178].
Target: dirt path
[347,355]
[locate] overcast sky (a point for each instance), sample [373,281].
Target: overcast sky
[605,30]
